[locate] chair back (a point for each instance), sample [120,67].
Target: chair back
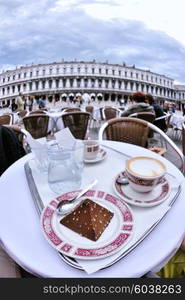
[71,109]
[89,109]
[6,119]
[77,122]
[36,112]
[36,125]
[110,113]
[147,116]
[128,130]
[22,113]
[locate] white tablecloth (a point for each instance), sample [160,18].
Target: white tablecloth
[21,235]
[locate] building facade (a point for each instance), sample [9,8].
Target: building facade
[72,79]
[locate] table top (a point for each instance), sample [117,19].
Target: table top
[21,235]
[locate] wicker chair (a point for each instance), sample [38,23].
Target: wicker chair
[147,116]
[77,122]
[71,109]
[6,119]
[110,113]
[36,125]
[36,112]
[135,131]
[89,109]
[128,130]
[22,113]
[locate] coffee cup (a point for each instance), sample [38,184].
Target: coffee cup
[144,173]
[91,149]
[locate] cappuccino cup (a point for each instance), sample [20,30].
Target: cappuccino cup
[144,173]
[91,149]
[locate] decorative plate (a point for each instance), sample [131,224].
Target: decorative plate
[159,194]
[116,235]
[101,155]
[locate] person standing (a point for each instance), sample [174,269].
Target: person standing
[19,102]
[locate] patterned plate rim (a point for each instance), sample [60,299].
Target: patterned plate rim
[58,242]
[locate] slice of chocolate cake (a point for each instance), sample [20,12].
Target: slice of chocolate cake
[89,219]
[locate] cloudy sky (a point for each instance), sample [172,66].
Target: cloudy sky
[147,33]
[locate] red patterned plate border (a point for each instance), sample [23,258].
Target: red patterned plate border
[118,238]
[142,199]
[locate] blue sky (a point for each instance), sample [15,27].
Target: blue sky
[149,34]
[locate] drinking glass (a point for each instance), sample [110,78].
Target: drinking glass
[65,169]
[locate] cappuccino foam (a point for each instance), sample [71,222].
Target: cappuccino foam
[146,167]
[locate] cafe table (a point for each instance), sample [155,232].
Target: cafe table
[21,235]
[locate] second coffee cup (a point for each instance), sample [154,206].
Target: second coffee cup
[91,149]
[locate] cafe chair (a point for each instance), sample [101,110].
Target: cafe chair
[36,112]
[147,116]
[6,119]
[71,109]
[36,125]
[128,130]
[131,131]
[77,122]
[110,113]
[22,113]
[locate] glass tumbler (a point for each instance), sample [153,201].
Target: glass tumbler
[65,170]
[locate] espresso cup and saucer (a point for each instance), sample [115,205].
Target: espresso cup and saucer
[144,173]
[93,152]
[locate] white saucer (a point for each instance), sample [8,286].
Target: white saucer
[159,194]
[101,155]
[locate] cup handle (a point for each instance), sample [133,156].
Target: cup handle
[161,180]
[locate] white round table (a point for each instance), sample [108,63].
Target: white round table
[22,238]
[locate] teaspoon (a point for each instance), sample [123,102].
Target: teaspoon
[122,180]
[66,206]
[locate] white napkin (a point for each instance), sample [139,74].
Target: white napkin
[65,138]
[34,143]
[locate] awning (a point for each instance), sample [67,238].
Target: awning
[99,95]
[64,95]
[92,95]
[78,94]
[71,95]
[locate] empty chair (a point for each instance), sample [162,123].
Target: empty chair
[36,125]
[38,111]
[77,122]
[128,130]
[135,131]
[22,113]
[110,113]
[6,119]
[89,109]
[71,109]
